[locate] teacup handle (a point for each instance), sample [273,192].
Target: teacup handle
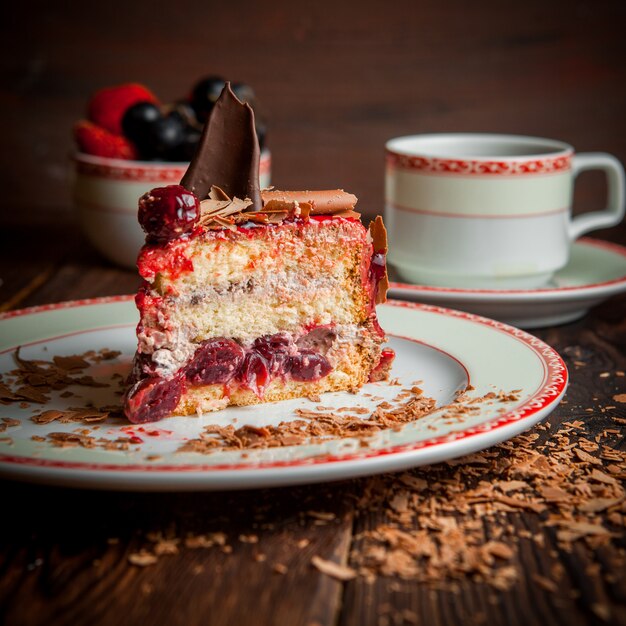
[614,211]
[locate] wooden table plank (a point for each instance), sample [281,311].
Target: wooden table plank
[75,281]
[52,263]
[28,258]
[72,565]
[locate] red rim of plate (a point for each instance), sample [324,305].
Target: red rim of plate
[594,243]
[553,386]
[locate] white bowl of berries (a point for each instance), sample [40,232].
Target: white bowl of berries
[131,143]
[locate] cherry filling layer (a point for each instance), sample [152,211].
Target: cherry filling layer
[224,361]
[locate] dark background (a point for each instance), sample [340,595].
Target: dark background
[335,80]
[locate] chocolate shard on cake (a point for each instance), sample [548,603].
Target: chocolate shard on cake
[251,296]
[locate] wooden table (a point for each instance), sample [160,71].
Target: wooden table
[64,554]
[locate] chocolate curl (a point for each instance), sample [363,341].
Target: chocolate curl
[325,202]
[228,154]
[378,233]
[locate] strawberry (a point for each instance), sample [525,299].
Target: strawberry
[107,106]
[95,140]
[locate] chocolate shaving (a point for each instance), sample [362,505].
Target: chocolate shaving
[35,380]
[332,569]
[378,233]
[7,396]
[217,194]
[142,558]
[312,426]
[218,208]
[276,218]
[348,215]
[257,218]
[70,363]
[322,202]
[224,222]
[29,366]
[221,211]
[31,394]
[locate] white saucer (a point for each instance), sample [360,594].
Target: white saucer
[595,272]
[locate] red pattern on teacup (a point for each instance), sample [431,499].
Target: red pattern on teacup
[548,165]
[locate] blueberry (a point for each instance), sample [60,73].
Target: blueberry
[137,124]
[185,110]
[166,135]
[188,146]
[205,95]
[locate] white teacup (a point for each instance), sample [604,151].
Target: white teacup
[486,211]
[106,194]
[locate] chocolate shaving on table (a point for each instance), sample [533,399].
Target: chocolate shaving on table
[228,153]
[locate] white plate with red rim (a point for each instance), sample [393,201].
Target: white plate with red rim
[595,272]
[445,350]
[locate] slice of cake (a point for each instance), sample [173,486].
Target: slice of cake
[251,297]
